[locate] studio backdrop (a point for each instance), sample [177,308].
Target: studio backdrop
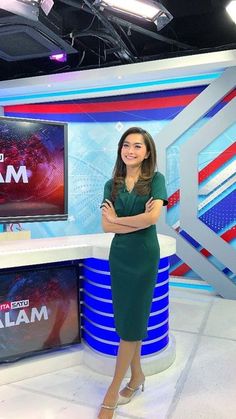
[94,128]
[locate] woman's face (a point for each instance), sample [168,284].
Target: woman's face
[134,150]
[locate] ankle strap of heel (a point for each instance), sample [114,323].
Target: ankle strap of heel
[104,406]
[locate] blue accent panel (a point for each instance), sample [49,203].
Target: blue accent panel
[97,291]
[98,264]
[222,214]
[99,332]
[135,115]
[227,271]
[215,110]
[164,262]
[193,242]
[98,318]
[192,286]
[155,347]
[160,304]
[98,305]
[158,318]
[159,291]
[104,348]
[174,259]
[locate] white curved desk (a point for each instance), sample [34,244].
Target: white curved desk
[85,248]
[57,249]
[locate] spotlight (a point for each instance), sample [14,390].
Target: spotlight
[27,8]
[231,10]
[61,57]
[154,12]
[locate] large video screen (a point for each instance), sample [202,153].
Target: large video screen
[39,310]
[33,170]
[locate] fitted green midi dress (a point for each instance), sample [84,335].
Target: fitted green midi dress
[134,259]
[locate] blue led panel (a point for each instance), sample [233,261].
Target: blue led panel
[155,347]
[160,304]
[164,262]
[100,278]
[158,318]
[102,306]
[97,291]
[98,318]
[159,291]
[99,329]
[98,264]
[112,349]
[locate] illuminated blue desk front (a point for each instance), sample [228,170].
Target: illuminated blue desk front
[98,321]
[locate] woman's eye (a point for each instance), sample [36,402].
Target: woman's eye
[125,145]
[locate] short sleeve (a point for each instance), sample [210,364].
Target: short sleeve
[107,190]
[158,188]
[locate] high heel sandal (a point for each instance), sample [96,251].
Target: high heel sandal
[105,406]
[125,400]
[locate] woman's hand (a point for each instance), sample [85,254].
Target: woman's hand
[149,205]
[108,211]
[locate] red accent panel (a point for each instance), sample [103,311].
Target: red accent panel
[230,96]
[229,235]
[207,171]
[183,268]
[173,199]
[163,102]
[205,252]
[219,161]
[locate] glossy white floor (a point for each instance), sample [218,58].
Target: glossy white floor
[201,384]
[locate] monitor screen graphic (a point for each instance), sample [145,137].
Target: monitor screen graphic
[33,170]
[39,310]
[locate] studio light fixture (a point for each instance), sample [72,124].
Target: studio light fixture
[61,57]
[231,10]
[154,12]
[27,8]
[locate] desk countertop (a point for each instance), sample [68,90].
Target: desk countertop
[56,249]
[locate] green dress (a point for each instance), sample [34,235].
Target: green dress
[134,259]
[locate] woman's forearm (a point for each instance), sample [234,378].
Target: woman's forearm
[117,228]
[143,220]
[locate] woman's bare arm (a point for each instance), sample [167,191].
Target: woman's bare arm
[116,228]
[142,220]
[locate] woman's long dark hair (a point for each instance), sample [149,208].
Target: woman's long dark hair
[143,185]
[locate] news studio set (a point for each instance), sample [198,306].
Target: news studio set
[75,75]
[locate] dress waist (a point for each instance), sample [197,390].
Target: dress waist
[136,235]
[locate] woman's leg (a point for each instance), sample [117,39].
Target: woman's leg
[137,375]
[136,368]
[124,357]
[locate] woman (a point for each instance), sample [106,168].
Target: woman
[132,204]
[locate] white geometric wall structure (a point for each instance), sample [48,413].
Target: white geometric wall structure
[189,221]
